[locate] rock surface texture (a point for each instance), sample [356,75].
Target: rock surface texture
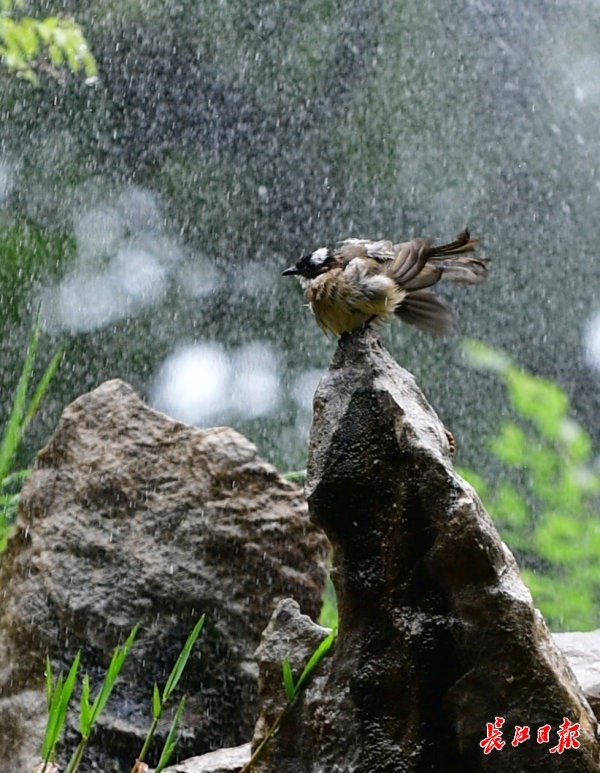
[229,760]
[438,636]
[130,517]
[582,650]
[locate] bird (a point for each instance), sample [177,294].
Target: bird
[360,281]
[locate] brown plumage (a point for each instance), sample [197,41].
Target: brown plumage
[362,281]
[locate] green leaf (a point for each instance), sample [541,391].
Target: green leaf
[19,418]
[510,508]
[8,510]
[156,702]
[315,659]
[85,709]
[59,702]
[18,476]
[42,387]
[28,40]
[540,400]
[114,668]
[288,680]
[329,611]
[484,357]
[27,74]
[23,43]
[558,539]
[48,675]
[13,430]
[175,674]
[548,505]
[573,607]
[291,692]
[60,35]
[509,444]
[575,440]
[171,740]
[56,53]
[53,726]
[46,27]
[296,476]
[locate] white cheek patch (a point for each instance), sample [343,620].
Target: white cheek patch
[319,256]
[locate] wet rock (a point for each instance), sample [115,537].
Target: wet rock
[438,636]
[582,650]
[130,517]
[229,760]
[293,636]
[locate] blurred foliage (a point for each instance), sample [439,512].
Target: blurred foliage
[31,255]
[329,611]
[546,505]
[29,46]
[23,410]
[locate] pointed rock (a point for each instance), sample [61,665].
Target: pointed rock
[438,636]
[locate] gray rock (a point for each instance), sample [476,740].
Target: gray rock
[582,650]
[438,635]
[228,760]
[130,517]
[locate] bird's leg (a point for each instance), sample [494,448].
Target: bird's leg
[366,324]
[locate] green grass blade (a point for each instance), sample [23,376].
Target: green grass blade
[13,431]
[288,680]
[296,476]
[182,660]
[85,709]
[315,659]
[52,725]
[6,500]
[291,693]
[112,673]
[171,741]
[147,743]
[8,510]
[18,476]
[40,391]
[156,702]
[48,682]
[70,684]
[58,709]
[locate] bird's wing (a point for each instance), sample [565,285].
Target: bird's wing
[409,260]
[427,311]
[380,251]
[462,270]
[418,264]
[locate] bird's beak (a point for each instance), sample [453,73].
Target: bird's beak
[291,271]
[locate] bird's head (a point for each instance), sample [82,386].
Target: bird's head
[310,266]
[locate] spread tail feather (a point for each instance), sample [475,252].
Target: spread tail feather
[462,243]
[466,270]
[426,311]
[417,264]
